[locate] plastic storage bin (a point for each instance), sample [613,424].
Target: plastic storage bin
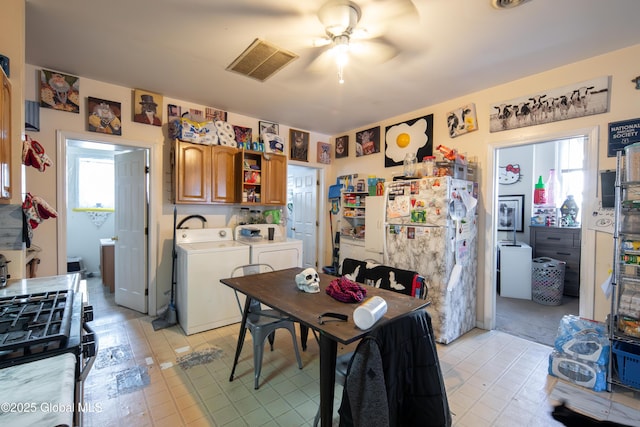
[628,363]
[547,280]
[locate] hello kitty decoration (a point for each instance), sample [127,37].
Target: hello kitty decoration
[509,174]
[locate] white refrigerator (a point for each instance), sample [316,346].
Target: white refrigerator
[431,228]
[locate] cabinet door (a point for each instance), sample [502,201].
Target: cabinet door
[223,174]
[193,172]
[5,139]
[275,180]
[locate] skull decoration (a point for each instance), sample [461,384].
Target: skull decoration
[308,281]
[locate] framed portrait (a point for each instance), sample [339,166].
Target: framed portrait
[368,141]
[511,213]
[59,91]
[146,107]
[411,137]
[342,146]
[215,115]
[104,116]
[299,143]
[243,134]
[324,152]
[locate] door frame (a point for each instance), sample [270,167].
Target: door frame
[588,247]
[154,186]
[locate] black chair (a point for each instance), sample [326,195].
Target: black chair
[262,323]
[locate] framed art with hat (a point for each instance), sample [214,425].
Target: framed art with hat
[146,107]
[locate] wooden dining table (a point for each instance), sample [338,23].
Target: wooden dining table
[278,290]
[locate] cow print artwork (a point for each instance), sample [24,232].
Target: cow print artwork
[462,120]
[568,102]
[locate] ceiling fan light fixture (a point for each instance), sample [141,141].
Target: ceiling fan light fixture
[341,53]
[339,17]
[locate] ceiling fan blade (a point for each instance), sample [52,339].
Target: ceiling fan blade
[377,50]
[381,16]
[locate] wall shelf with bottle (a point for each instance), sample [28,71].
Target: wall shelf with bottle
[624,318]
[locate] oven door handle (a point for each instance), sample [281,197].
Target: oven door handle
[93,337]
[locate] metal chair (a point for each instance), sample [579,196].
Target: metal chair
[262,323]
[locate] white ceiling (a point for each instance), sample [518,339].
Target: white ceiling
[435,50]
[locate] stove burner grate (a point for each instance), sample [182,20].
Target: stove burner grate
[35,323]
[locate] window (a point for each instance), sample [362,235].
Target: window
[571,159]
[95,183]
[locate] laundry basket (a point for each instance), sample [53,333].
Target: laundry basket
[547,281]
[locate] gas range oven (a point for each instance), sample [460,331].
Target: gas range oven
[44,325]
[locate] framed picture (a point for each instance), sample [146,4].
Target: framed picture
[268,127]
[215,115]
[174,112]
[368,141]
[243,134]
[59,91]
[299,142]
[104,116]
[146,108]
[567,102]
[324,152]
[511,213]
[342,146]
[462,120]
[411,137]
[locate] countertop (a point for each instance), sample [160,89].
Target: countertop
[43,284]
[39,393]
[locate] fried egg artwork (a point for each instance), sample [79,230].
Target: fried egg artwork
[413,136]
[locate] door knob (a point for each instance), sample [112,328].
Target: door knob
[114,238]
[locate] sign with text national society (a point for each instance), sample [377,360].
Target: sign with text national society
[622,134]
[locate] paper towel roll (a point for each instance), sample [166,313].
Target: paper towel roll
[369,312]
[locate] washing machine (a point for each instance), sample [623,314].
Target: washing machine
[281,252]
[204,257]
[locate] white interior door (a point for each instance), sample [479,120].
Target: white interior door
[303,189]
[130,219]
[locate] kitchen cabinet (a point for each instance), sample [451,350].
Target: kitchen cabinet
[562,244]
[5,140]
[275,179]
[624,319]
[263,178]
[204,174]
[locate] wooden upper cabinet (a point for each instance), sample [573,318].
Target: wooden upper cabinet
[192,171]
[223,174]
[5,140]
[275,179]
[204,173]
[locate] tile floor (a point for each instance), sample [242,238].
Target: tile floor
[144,377]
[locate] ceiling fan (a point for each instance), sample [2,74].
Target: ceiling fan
[340,19]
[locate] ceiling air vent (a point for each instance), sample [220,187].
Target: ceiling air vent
[506,4]
[261,60]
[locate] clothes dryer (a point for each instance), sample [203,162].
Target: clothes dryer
[281,252]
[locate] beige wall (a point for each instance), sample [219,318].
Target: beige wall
[625,104]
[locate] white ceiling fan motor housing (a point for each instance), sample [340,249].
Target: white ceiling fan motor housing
[339,17]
